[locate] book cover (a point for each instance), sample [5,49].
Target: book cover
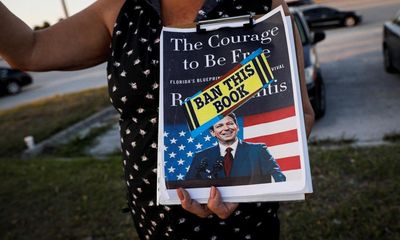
[232,86]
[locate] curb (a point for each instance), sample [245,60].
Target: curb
[70,132]
[357,144]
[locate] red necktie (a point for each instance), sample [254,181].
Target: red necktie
[228,161]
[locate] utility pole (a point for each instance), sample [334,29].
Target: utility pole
[65,8]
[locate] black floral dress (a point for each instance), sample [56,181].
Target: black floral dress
[133,80]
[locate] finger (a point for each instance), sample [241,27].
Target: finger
[217,206]
[191,205]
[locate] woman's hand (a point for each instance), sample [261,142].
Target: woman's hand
[214,205]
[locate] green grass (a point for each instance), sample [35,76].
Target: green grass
[63,199]
[41,119]
[356,196]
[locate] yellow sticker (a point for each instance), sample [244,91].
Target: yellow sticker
[227,93]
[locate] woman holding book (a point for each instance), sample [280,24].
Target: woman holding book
[125,33]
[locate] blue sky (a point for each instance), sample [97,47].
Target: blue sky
[35,12]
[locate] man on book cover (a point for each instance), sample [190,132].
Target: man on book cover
[232,157]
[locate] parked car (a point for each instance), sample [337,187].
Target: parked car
[314,80]
[320,16]
[391,44]
[299,2]
[12,80]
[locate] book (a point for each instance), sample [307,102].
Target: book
[232,83]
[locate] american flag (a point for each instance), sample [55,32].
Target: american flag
[277,129]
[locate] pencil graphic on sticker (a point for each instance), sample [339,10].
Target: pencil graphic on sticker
[229,92]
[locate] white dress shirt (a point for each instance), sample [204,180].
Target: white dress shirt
[222,148]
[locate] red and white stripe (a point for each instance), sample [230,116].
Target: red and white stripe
[277,129]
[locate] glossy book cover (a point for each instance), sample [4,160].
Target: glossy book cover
[231,93]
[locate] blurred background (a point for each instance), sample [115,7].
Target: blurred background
[353,92]
[55,126]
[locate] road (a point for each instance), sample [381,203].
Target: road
[56,82]
[363,101]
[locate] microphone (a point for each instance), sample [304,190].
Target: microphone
[202,168]
[218,166]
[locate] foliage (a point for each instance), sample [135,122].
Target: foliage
[392,137]
[44,26]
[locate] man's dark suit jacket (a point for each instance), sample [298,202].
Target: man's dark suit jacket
[251,161]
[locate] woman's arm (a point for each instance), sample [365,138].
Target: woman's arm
[74,43]
[307,108]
